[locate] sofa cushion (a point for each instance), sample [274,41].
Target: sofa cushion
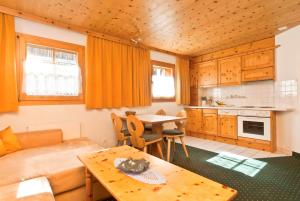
[10,140]
[58,163]
[2,148]
[32,139]
[36,189]
[172,132]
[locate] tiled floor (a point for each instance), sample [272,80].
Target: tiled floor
[219,147]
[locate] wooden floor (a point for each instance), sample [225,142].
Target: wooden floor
[219,147]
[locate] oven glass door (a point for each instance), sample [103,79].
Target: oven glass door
[254,127]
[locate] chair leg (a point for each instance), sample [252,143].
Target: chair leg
[159,150]
[169,149]
[184,147]
[174,147]
[145,149]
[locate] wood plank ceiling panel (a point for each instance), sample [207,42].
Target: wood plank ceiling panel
[187,27]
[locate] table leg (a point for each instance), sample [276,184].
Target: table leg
[157,128]
[88,185]
[169,149]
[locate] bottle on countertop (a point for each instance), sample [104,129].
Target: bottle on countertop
[203,101]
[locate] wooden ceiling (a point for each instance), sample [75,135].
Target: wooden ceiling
[187,27]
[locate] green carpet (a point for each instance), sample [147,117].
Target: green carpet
[268,179]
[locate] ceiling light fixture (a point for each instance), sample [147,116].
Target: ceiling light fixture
[282,28]
[136,41]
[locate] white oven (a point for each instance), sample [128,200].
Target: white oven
[254,124]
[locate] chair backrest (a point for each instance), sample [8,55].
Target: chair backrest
[161,112]
[181,124]
[136,130]
[117,122]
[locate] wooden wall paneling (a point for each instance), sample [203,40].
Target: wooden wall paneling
[194,75]
[230,71]
[273,132]
[194,96]
[81,29]
[186,27]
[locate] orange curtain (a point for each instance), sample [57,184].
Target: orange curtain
[8,82]
[117,75]
[182,81]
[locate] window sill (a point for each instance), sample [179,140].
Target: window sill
[155,100]
[50,102]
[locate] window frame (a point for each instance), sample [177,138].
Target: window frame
[166,65]
[22,41]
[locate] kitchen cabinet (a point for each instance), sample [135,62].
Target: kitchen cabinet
[258,74]
[194,120]
[258,66]
[210,122]
[230,71]
[227,126]
[208,74]
[222,125]
[257,60]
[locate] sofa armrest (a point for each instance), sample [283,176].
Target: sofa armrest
[33,139]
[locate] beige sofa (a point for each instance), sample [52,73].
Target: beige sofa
[46,154]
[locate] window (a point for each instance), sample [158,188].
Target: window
[50,71]
[163,81]
[288,88]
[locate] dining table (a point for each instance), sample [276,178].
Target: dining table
[156,121]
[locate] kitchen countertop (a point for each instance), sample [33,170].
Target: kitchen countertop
[276,109]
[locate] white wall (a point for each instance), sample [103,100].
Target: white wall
[288,67]
[95,124]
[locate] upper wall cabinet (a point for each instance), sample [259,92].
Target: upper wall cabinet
[249,62]
[207,74]
[230,71]
[258,60]
[258,66]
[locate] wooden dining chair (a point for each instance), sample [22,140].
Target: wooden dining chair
[148,127]
[178,132]
[122,134]
[139,139]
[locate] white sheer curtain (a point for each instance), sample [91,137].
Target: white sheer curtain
[49,72]
[163,85]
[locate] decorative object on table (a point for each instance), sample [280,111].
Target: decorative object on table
[127,113]
[134,166]
[149,176]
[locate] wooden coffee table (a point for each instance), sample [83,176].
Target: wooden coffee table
[181,183]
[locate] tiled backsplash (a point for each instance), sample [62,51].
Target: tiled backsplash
[262,93]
